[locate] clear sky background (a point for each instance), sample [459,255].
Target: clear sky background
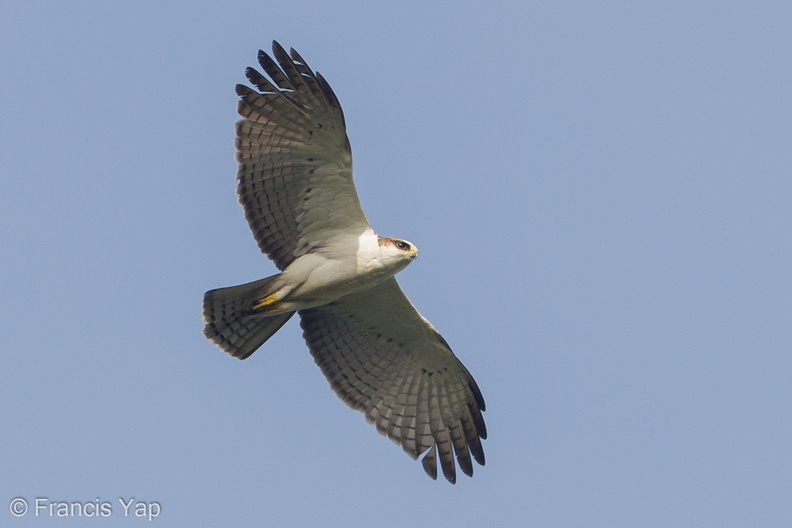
[602,196]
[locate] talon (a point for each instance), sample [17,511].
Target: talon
[268,303]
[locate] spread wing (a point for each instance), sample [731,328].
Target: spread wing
[383,358]
[295,162]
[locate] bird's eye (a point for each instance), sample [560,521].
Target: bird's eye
[404,246]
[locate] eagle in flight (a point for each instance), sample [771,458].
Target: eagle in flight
[378,353]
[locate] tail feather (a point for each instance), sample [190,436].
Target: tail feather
[231,323]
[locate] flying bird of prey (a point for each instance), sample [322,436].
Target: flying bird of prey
[378,353]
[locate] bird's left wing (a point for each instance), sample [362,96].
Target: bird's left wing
[383,358]
[295,162]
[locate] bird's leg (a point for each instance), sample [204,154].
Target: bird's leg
[269,304]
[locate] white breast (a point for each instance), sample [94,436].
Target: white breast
[369,255]
[340,268]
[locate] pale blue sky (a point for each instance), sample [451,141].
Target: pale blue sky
[602,196]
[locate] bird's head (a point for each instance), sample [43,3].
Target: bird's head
[397,252]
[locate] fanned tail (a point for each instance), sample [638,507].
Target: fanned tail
[233,325]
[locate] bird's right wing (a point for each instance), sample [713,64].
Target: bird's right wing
[295,162]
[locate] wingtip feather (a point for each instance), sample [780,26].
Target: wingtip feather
[429,463]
